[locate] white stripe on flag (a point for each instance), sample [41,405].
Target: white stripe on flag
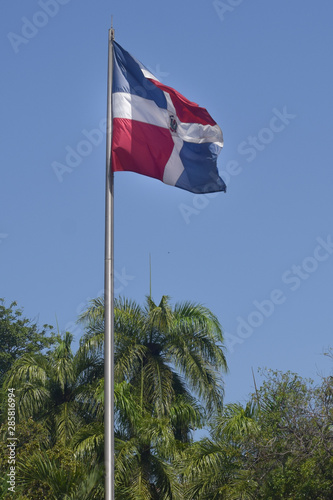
[134,107]
[174,168]
[198,133]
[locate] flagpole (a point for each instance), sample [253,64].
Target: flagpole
[109,293]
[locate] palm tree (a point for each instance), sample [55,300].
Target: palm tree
[56,481]
[171,361]
[60,391]
[163,351]
[216,468]
[57,389]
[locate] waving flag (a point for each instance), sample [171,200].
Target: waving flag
[159,133]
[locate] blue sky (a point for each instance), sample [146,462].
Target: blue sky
[261,255]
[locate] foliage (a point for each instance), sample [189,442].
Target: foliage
[292,457]
[278,446]
[18,336]
[169,363]
[56,389]
[32,437]
[157,347]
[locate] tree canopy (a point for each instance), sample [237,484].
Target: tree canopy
[169,366]
[19,336]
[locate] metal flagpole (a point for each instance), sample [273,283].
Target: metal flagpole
[109,295]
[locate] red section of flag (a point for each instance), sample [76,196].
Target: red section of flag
[187,111]
[140,147]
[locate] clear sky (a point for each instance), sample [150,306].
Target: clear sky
[261,255]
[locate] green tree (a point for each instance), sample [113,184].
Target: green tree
[279,445]
[18,336]
[32,437]
[292,457]
[46,472]
[57,389]
[163,351]
[57,475]
[172,361]
[216,468]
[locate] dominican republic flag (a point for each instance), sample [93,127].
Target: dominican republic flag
[159,133]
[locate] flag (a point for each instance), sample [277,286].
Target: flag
[159,133]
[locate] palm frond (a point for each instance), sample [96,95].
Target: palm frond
[214,471]
[48,472]
[89,440]
[91,487]
[66,421]
[32,399]
[95,311]
[237,421]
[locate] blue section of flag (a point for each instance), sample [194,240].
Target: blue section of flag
[128,77]
[200,174]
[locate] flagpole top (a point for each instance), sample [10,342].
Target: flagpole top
[112,29]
